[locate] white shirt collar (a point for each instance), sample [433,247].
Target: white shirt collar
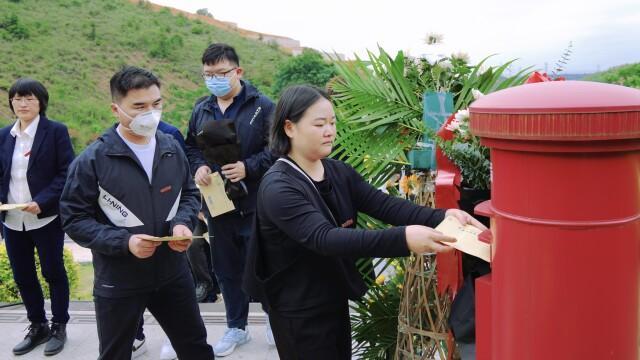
[30,130]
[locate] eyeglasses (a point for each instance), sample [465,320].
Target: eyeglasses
[26,100]
[218,76]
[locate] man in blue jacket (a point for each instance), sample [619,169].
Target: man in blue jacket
[232,99]
[130,184]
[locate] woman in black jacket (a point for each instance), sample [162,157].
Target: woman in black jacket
[35,153]
[302,256]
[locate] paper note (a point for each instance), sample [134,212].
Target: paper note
[6,207]
[215,196]
[467,238]
[171,238]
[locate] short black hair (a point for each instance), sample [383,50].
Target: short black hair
[293,103]
[26,87]
[217,52]
[131,77]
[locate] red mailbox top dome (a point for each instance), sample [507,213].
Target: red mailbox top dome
[559,110]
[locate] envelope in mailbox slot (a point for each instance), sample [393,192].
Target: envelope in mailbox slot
[467,238]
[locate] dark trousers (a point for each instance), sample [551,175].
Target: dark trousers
[228,235]
[48,241]
[173,305]
[313,335]
[199,255]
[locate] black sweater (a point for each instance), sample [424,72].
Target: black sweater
[302,254]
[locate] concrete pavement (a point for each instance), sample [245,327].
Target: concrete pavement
[82,341]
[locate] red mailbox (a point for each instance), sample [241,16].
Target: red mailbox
[565,211]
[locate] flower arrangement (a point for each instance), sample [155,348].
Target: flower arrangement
[466,152]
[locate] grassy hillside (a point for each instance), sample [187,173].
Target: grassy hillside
[627,75]
[74,46]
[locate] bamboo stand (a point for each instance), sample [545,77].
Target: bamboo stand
[422,322]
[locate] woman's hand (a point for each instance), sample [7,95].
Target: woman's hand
[422,239]
[465,218]
[32,208]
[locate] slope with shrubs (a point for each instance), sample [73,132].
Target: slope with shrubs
[627,75]
[74,46]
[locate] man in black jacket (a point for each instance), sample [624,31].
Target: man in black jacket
[236,100]
[130,184]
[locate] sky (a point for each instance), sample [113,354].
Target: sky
[604,33]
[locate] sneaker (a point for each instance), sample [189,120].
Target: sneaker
[201,292]
[167,352]
[232,337]
[139,348]
[269,333]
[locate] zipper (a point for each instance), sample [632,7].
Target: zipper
[161,155]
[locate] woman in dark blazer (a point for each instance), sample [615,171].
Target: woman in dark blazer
[301,260]
[34,155]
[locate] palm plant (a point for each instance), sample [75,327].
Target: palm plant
[375,102]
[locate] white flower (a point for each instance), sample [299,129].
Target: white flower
[433,39]
[461,56]
[446,64]
[476,94]
[462,116]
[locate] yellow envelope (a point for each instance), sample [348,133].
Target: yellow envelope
[6,207]
[467,238]
[215,196]
[171,238]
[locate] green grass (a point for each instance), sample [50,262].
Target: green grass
[84,291]
[75,46]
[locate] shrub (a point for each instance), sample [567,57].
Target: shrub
[307,68]
[166,46]
[8,288]
[197,30]
[626,75]
[13,28]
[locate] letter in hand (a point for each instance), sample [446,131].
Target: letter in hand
[202,175]
[140,247]
[465,218]
[422,239]
[180,245]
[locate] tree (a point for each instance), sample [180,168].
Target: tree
[307,68]
[204,12]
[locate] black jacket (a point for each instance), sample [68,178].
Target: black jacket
[107,198]
[302,256]
[252,129]
[50,157]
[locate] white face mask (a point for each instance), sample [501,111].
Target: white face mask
[144,124]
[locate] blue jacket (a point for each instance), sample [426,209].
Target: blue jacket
[252,129]
[108,197]
[50,157]
[174,132]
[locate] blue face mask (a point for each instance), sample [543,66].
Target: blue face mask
[219,87]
